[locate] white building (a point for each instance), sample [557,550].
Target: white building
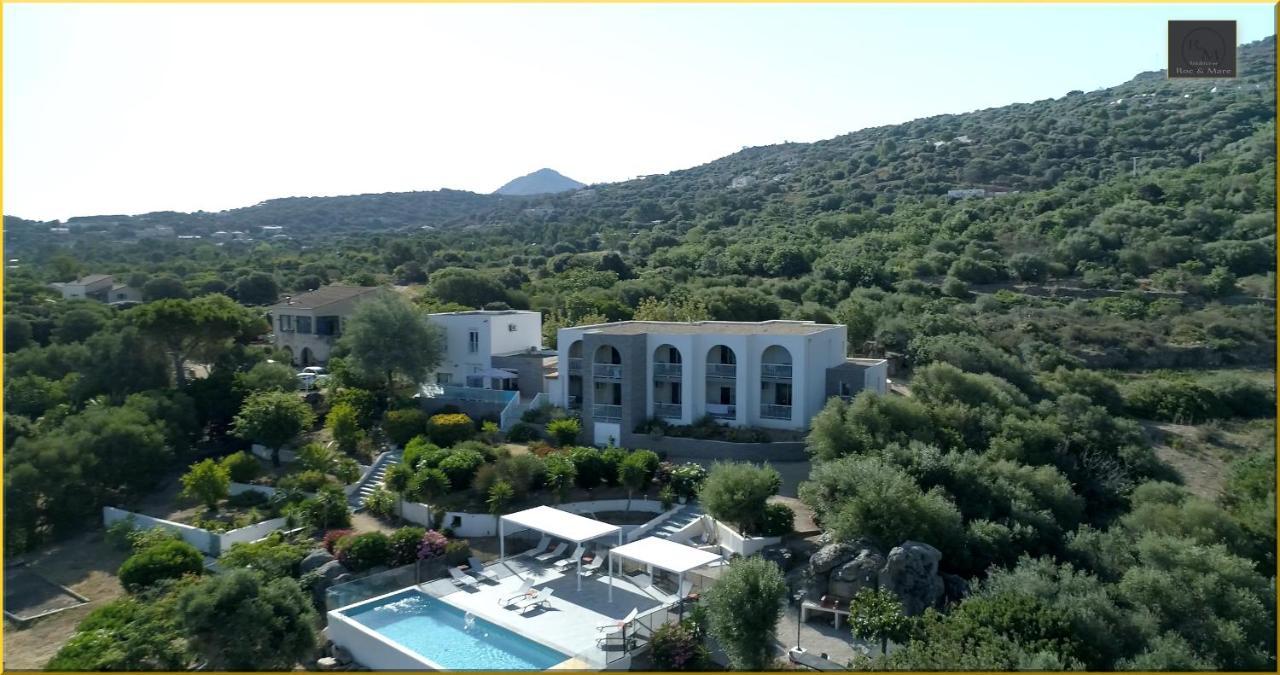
[485,349]
[91,287]
[770,374]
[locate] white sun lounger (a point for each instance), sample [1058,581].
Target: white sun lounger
[591,567]
[573,557]
[616,626]
[461,578]
[525,590]
[477,568]
[543,543]
[553,554]
[542,598]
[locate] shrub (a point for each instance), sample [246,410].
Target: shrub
[525,473]
[560,475]
[361,401]
[248,499]
[346,470]
[485,478]
[273,556]
[316,457]
[420,452]
[403,425]
[381,502]
[675,646]
[331,539]
[326,510]
[404,545]
[448,430]
[429,484]
[165,560]
[523,432]
[667,496]
[457,551]
[778,520]
[120,533]
[362,551]
[611,459]
[307,481]
[207,481]
[590,467]
[242,466]
[687,479]
[541,449]
[460,466]
[244,622]
[433,545]
[342,422]
[565,430]
[490,431]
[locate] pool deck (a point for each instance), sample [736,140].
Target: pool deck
[569,623]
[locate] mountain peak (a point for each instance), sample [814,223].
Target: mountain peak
[540,182]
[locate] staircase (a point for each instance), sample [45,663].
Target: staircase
[679,520]
[372,480]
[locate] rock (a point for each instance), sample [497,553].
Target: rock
[327,663]
[831,556]
[342,655]
[314,560]
[911,572]
[861,572]
[331,570]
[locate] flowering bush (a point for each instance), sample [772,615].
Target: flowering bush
[331,538]
[362,551]
[433,545]
[676,647]
[447,430]
[687,479]
[405,543]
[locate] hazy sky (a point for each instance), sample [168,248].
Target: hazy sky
[134,108]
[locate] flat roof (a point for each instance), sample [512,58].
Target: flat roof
[325,295]
[561,524]
[667,554]
[776,327]
[486,312]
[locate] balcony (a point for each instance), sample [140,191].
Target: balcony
[771,411]
[606,371]
[669,371]
[726,371]
[606,413]
[776,371]
[721,411]
[669,411]
[575,364]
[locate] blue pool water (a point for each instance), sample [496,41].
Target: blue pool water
[437,631]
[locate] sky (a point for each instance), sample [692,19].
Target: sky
[131,108]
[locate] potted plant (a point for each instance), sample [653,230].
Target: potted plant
[667,497]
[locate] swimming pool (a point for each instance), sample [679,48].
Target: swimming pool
[438,633]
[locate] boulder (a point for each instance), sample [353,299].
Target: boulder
[911,572]
[327,663]
[314,560]
[331,570]
[861,572]
[831,556]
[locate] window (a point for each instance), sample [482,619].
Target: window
[844,389]
[726,396]
[286,323]
[304,324]
[675,394]
[473,341]
[444,378]
[512,327]
[782,394]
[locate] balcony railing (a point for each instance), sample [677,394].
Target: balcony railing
[575,364]
[605,413]
[725,370]
[779,371]
[608,371]
[722,411]
[668,370]
[772,411]
[670,411]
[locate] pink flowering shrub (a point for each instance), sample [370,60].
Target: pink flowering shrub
[433,545]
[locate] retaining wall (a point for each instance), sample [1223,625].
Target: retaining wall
[696,448]
[210,543]
[485,525]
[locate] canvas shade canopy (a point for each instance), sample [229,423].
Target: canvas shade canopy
[663,554]
[556,523]
[497,373]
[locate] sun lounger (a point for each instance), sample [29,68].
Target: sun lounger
[553,554]
[477,568]
[591,567]
[541,599]
[573,557]
[543,543]
[616,626]
[461,578]
[525,591]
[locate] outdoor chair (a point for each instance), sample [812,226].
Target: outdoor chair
[616,626]
[541,599]
[553,554]
[461,578]
[543,543]
[525,591]
[565,564]
[591,567]
[477,568]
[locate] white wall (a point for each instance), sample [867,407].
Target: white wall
[368,649]
[203,540]
[603,432]
[250,533]
[733,542]
[528,332]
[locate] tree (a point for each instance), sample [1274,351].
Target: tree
[164,288]
[258,288]
[17,333]
[125,635]
[560,474]
[267,377]
[274,556]
[199,328]
[272,418]
[743,608]
[500,496]
[387,336]
[77,325]
[738,492]
[169,559]
[207,481]
[240,622]
[564,430]
[343,424]
[633,474]
[877,615]
[472,288]
[428,484]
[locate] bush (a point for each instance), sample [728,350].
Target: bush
[611,459]
[778,521]
[381,503]
[460,466]
[447,430]
[525,473]
[326,510]
[675,646]
[165,560]
[307,481]
[457,551]
[687,479]
[429,484]
[420,452]
[331,538]
[523,433]
[342,422]
[405,543]
[362,551]
[273,556]
[565,430]
[401,426]
[242,466]
[589,466]
[248,499]
[433,545]
[207,481]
